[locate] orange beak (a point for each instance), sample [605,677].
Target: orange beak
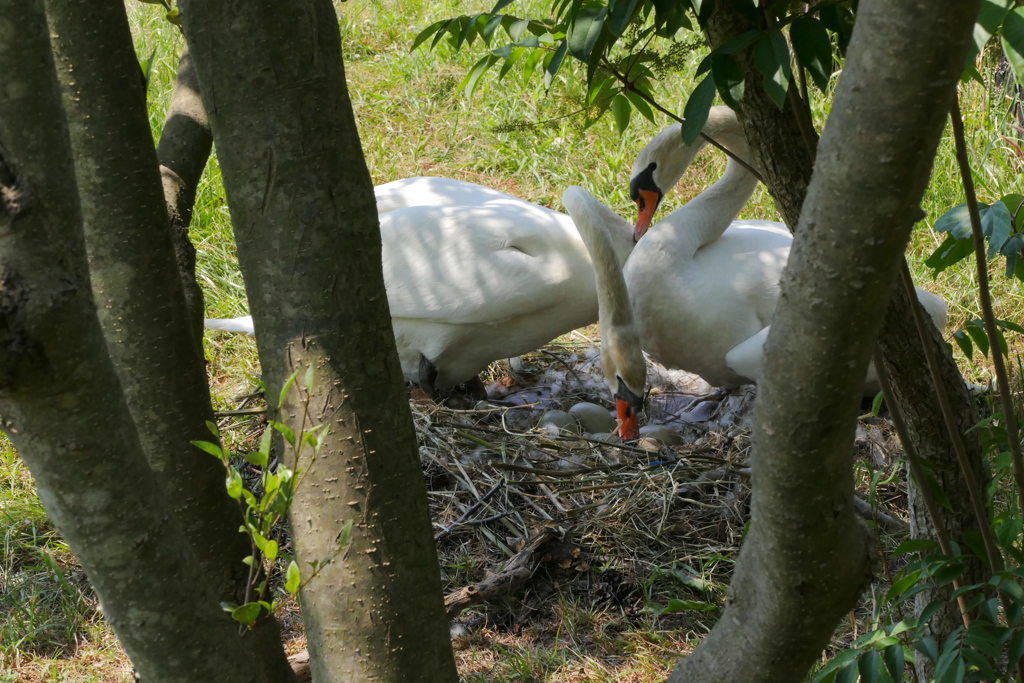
[629,421]
[646,205]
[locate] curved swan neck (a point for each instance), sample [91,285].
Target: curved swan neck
[621,357]
[704,218]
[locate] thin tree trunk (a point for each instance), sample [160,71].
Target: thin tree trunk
[184,149]
[806,558]
[136,282]
[785,175]
[915,388]
[60,399]
[309,247]
[778,149]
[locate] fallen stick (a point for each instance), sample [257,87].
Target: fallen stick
[515,572]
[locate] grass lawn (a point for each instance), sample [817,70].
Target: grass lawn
[595,616]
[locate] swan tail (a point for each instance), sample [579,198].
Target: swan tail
[243,324]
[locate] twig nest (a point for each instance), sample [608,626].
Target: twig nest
[559,420]
[593,418]
[662,434]
[648,443]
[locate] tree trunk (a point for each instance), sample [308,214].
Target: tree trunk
[915,388]
[785,173]
[309,247]
[778,149]
[137,284]
[184,149]
[60,399]
[806,558]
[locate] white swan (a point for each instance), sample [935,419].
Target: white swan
[470,284]
[436,191]
[702,286]
[622,361]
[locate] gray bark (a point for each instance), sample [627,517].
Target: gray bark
[777,147]
[60,399]
[914,388]
[136,282]
[785,174]
[184,149]
[806,557]
[308,241]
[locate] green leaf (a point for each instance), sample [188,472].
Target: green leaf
[771,57]
[287,432]
[839,20]
[517,28]
[964,342]
[247,613]
[669,17]
[930,610]
[916,545]
[876,404]
[996,224]
[584,32]
[271,482]
[466,35]
[555,63]
[514,56]
[284,390]
[469,82]
[843,658]
[491,25]
[345,536]
[640,104]
[436,29]
[728,80]
[1016,650]
[814,49]
[738,43]
[894,661]
[531,64]
[990,17]
[212,448]
[1012,200]
[978,335]
[928,647]
[234,483]
[270,550]
[848,673]
[1013,42]
[901,585]
[620,13]
[949,668]
[257,458]
[695,115]
[502,4]
[868,666]
[622,111]
[266,442]
[1008,325]
[957,221]
[951,251]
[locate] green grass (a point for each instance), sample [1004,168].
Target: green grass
[512,136]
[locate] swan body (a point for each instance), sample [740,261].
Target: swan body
[468,284]
[436,191]
[702,286]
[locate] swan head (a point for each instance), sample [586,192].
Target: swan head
[628,406]
[661,164]
[622,361]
